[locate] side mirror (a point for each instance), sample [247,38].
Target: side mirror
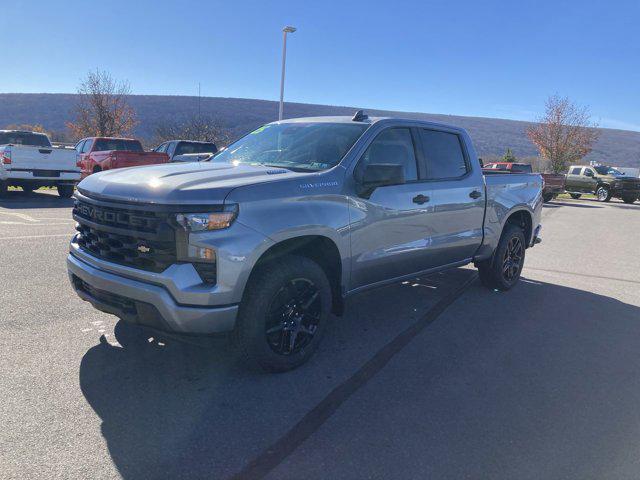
[379,175]
[481,162]
[589,173]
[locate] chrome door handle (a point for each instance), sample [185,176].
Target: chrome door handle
[420,199]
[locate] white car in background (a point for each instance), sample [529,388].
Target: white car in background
[29,161]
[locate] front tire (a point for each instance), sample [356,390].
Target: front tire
[547,197]
[575,196]
[283,314]
[3,188]
[65,191]
[503,271]
[603,193]
[29,189]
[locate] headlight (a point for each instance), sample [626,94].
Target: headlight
[201,222]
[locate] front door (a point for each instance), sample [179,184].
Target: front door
[388,230]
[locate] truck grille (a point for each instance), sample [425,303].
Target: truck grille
[134,238]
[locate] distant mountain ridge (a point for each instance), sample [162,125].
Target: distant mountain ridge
[491,136]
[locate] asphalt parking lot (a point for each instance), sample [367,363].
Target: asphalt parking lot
[433,378]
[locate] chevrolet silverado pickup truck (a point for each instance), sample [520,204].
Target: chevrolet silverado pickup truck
[553,183]
[187,150]
[276,232]
[606,182]
[106,153]
[29,161]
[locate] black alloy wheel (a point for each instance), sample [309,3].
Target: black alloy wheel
[293,316]
[512,260]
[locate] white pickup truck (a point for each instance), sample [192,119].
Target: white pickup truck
[28,160]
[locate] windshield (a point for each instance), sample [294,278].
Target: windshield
[105,144]
[296,146]
[24,138]
[196,147]
[602,170]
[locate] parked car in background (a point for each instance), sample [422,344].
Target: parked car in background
[187,150]
[553,182]
[29,161]
[606,182]
[106,153]
[272,235]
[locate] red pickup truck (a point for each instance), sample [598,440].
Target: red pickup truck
[553,182]
[105,153]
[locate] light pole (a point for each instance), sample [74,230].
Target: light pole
[285,30]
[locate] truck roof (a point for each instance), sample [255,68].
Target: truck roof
[365,120]
[113,138]
[22,131]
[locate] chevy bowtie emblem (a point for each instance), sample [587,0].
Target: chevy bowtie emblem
[143,249]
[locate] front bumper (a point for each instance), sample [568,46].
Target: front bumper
[145,303]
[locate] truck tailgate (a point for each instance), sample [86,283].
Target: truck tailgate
[43,159]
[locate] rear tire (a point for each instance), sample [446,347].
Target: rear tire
[547,197]
[603,193]
[29,189]
[503,271]
[65,191]
[629,199]
[283,314]
[575,196]
[3,188]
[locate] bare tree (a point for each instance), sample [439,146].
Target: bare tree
[102,108]
[565,134]
[200,128]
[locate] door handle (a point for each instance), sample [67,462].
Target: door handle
[420,199]
[475,194]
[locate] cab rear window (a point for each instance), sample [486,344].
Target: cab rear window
[104,144]
[24,138]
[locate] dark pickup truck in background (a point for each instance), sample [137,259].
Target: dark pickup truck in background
[606,182]
[106,153]
[554,183]
[187,150]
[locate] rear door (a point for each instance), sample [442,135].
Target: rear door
[573,182]
[388,229]
[457,194]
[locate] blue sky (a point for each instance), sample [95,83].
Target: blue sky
[479,58]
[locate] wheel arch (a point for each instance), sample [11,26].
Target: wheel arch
[319,248]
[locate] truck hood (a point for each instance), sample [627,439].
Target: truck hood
[178,183]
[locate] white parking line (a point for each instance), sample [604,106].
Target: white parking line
[28,237]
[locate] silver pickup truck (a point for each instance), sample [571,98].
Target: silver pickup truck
[270,236]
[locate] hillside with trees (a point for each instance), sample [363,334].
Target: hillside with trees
[237,116]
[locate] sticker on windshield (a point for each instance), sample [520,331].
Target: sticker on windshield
[259,130]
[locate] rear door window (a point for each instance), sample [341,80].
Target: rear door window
[443,154]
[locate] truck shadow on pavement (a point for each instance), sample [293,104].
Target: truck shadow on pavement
[178,410]
[38,199]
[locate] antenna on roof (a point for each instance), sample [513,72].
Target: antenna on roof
[359,116]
